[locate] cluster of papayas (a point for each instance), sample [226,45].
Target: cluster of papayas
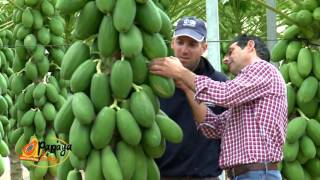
[300,68]
[113,118]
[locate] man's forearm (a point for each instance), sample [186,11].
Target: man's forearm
[198,110]
[188,77]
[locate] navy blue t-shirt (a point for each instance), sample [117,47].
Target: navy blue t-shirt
[196,156]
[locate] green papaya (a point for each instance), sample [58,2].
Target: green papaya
[79,137]
[148,17]
[121,79]
[105,6]
[291,98]
[110,165]
[152,170]
[131,42]
[103,128]
[139,68]
[304,17]
[76,162]
[169,129]
[108,37]
[278,51]
[166,28]
[123,23]
[80,79]
[308,89]
[140,172]
[291,32]
[77,53]
[162,86]
[126,158]
[74,175]
[128,127]
[64,118]
[70,7]
[152,136]
[88,21]
[100,91]
[154,46]
[304,62]
[294,75]
[27,18]
[292,50]
[284,70]
[312,131]
[82,108]
[307,147]
[296,129]
[142,109]
[93,169]
[47,8]
[316,64]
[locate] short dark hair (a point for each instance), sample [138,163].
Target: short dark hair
[261,48]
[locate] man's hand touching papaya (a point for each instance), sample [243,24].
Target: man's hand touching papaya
[173,68]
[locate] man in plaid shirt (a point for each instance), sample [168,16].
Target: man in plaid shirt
[253,129]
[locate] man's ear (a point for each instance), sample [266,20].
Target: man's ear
[204,46]
[250,45]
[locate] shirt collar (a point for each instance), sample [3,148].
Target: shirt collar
[204,67]
[246,68]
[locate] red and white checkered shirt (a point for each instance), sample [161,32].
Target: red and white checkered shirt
[253,128]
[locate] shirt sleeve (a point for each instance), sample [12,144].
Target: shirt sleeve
[247,86]
[213,125]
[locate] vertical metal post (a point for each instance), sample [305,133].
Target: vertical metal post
[212,12]
[213,35]
[271,24]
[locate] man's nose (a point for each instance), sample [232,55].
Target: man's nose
[226,59]
[184,49]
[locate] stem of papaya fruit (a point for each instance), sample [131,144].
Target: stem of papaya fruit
[302,114]
[105,65]
[56,66]
[98,67]
[114,105]
[136,87]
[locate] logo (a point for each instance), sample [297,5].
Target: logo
[37,150]
[189,22]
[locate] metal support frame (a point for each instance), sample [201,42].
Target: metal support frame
[212,12]
[271,24]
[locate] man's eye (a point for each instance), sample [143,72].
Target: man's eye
[193,44]
[180,42]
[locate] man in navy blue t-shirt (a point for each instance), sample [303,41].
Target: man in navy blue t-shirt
[196,157]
